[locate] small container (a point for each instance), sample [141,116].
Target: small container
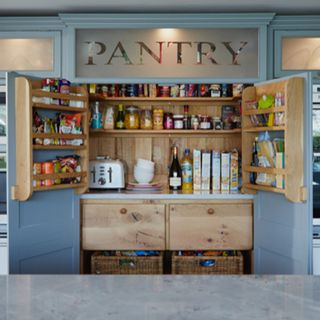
[204,123]
[157,119]
[215,90]
[131,119]
[37,168]
[48,168]
[131,90]
[194,122]
[163,91]
[146,119]
[178,121]
[216,123]
[168,121]
[237,122]
[226,90]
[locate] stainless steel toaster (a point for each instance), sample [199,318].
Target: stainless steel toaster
[106,173]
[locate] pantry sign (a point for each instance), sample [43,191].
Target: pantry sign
[167,53]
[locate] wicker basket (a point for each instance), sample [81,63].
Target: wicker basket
[216,264]
[126,265]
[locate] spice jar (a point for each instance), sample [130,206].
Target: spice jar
[178,121]
[168,120]
[157,119]
[131,119]
[194,122]
[216,123]
[146,119]
[204,123]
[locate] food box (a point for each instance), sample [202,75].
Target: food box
[225,171]
[205,170]
[216,171]
[196,169]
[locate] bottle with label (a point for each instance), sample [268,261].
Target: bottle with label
[120,118]
[96,121]
[186,166]
[175,172]
[255,161]
[186,118]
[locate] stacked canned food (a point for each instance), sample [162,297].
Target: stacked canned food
[163,91]
[67,164]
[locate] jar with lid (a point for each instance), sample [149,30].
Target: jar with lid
[194,122]
[178,121]
[146,119]
[168,120]
[158,119]
[204,122]
[216,123]
[131,119]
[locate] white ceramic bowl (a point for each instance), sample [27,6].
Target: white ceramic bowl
[145,163]
[143,169]
[142,176]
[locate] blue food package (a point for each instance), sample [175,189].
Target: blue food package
[207,263]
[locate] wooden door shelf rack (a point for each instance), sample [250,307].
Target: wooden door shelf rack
[291,131]
[26,89]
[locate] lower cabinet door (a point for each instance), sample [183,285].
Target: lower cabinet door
[123,227]
[210,226]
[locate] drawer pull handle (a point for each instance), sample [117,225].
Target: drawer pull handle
[210,211]
[123,211]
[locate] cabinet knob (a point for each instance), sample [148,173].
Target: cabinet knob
[123,211]
[210,211]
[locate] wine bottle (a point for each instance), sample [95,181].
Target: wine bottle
[175,172]
[120,118]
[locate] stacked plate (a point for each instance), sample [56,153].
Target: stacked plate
[144,187]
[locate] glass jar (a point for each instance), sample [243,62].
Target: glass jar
[204,123]
[146,119]
[216,123]
[168,120]
[131,119]
[178,121]
[158,119]
[194,122]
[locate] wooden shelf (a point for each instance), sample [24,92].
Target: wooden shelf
[58,107]
[59,175]
[57,147]
[260,129]
[58,136]
[60,186]
[140,132]
[265,170]
[263,188]
[163,99]
[264,111]
[56,95]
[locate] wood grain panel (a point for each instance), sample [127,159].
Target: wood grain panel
[123,227]
[210,226]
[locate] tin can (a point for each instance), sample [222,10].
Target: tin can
[37,168]
[47,168]
[168,121]
[56,169]
[192,90]
[131,90]
[226,90]
[123,90]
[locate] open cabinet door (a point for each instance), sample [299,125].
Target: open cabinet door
[283,229]
[44,230]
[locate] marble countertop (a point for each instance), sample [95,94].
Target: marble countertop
[200,195]
[159,297]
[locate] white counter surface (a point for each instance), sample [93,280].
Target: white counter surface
[159,297]
[122,195]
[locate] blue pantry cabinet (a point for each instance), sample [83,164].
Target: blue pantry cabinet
[44,231]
